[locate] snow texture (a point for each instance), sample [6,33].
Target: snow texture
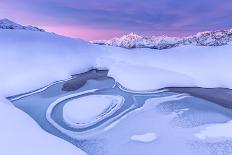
[21,135]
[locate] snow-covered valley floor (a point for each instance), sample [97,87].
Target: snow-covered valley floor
[136,117]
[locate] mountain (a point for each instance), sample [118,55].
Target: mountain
[8,24]
[132,40]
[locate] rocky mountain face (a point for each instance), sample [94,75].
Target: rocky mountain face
[7,24]
[132,40]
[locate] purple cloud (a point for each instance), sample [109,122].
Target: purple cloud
[104,18]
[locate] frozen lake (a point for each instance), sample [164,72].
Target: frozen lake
[156,122]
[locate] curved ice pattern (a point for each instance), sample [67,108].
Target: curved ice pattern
[88,110]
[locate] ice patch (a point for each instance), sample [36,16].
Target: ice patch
[88,110]
[147,137]
[153,102]
[181,111]
[216,131]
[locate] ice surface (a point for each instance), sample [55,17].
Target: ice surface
[147,137]
[21,135]
[90,109]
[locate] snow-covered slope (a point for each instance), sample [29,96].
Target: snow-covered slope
[38,59]
[31,59]
[7,24]
[20,135]
[209,38]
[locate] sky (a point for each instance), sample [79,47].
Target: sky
[105,19]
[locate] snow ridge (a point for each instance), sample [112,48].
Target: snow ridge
[207,38]
[8,24]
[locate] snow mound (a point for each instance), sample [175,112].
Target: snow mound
[89,110]
[39,59]
[7,24]
[21,135]
[144,78]
[147,137]
[216,131]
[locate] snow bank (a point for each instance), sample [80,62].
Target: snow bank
[216,131]
[31,60]
[147,137]
[88,110]
[144,69]
[21,135]
[144,78]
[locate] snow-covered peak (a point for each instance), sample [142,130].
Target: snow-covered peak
[126,41]
[131,36]
[6,21]
[230,30]
[8,24]
[207,38]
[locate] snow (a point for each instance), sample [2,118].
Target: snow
[39,59]
[71,134]
[133,40]
[88,110]
[216,131]
[147,137]
[145,69]
[149,104]
[31,60]
[21,135]
[143,78]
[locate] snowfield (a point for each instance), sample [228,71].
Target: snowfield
[35,59]
[39,58]
[144,78]
[21,135]
[32,60]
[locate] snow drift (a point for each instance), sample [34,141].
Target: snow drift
[21,135]
[31,60]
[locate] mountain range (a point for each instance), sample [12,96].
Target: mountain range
[132,40]
[207,38]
